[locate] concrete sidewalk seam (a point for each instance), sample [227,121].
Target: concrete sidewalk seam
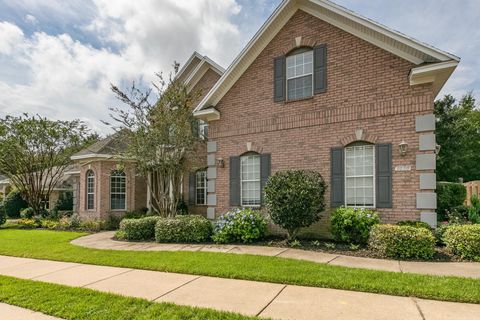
[418,308]
[49,273]
[281,252]
[269,303]
[174,289]
[107,278]
[400,266]
[328,262]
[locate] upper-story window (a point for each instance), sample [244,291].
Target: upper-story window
[250,180]
[360,175]
[202,129]
[117,190]
[300,74]
[90,190]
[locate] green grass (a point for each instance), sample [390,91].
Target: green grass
[56,246]
[78,303]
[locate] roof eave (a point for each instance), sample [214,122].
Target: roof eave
[436,73]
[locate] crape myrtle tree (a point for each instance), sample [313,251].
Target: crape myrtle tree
[161,137]
[36,151]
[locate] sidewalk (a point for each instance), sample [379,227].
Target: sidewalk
[246,297]
[104,240]
[8,312]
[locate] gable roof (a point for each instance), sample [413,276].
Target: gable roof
[104,148]
[195,67]
[388,39]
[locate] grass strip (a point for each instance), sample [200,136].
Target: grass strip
[51,245]
[86,304]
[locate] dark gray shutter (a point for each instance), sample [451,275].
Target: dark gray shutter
[320,69]
[384,175]
[279,79]
[234,181]
[337,189]
[265,171]
[195,127]
[191,188]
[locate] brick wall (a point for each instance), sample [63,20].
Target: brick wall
[368,89]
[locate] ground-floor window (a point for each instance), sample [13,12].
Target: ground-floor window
[250,180]
[117,190]
[360,175]
[201,187]
[90,190]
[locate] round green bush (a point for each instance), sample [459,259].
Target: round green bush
[403,242]
[240,225]
[353,225]
[139,229]
[416,224]
[27,213]
[295,199]
[14,204]
[183,229]
[449,195]
[463,240]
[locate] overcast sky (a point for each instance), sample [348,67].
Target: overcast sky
[58,58]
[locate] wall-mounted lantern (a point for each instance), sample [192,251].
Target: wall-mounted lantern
[403,148]
[220,163]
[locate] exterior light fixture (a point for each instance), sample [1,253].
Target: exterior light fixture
[220,162]
[403,148]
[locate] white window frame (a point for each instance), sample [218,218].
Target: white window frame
[90,176]
[373,176]
[114,174]
[199,187]
[250,180]
[202,125]
[289,58]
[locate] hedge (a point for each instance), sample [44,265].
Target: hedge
[403,242]
[463,240]
[183,229]
[449,195]
[352,225]
[138,229]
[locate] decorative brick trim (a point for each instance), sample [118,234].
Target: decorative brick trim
[304,42]
[252,147]
[359,135]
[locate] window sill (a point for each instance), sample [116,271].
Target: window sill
[298,100]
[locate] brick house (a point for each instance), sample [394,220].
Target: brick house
[322,88]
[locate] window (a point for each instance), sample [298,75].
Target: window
[201,187]
[250,180]
[45,202]
[90,190]
[202,129]
[360,175]
[117,190]
[300,75]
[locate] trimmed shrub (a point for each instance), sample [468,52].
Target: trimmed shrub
[27,213]
[464,241]
[449,195]
[14,203]
[65,201]
[91,225]
[416,224]
[240,225]
[440,231]
[474,210]
[139,229]
[458,214]
[27,224]
[3,215]
[295,199]
[183,229]
[403,242]
[50,224]
[352,225]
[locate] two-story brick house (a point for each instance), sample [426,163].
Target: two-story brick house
[322,88]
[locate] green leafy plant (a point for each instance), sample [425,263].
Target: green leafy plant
[458,214]
[316,243]
[14,204]
[464,241]
[416,224]
[330,245]
[353,225]
[354,247]
[295,199]
[240,225]
[449,196]
[142,229]
[474,210]
[3,215]
[295,244]
[183,229]
[27,223]
[403,242]
[27,213]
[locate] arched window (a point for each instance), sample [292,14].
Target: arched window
[300,74]
[250,180]
[90,190]
[117,190]
[360,175]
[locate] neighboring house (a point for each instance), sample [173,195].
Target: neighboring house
[321,88]
[65,184]
[473,189]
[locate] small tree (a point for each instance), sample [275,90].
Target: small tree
[162,138]
[35,152]
[295,199]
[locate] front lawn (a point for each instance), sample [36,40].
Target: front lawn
[52,245]
[85,304]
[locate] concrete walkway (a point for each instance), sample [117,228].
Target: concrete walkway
[8,312]
[104,240]
[246,297]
